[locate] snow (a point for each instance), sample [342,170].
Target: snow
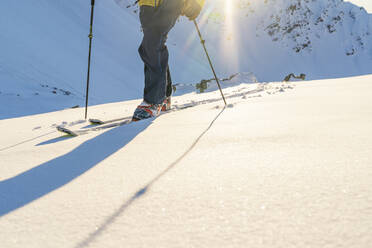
[285,165]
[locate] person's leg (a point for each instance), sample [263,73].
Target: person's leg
[155,72]
[156,23]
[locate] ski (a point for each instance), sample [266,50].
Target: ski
[97,122]
[74,133]
[103,122]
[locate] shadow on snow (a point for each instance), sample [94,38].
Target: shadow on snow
[35,183]
[109,220]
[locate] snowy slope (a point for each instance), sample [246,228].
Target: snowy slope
[43,61]
[46,44]
[285,165]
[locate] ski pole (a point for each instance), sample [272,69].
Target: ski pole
[210,62]
[89,56]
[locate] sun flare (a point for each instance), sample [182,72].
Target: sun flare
[229,35]
[220,15]
[228,7]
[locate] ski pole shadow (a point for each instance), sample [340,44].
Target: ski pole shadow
[142,191]
[26,141]
[55,140]
[35,183]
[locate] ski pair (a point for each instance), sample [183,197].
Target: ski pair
[98,125]
[106,124]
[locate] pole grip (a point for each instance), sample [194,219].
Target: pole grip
[92,2]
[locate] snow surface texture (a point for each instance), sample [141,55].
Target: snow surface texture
[285,165]
[45,47]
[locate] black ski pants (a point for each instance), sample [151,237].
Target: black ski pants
[156,23]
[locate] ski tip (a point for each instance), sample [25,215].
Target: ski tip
[96,122]
[67,131]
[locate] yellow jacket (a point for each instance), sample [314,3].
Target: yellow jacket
[155,3]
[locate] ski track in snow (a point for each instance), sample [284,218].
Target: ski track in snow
[243,91]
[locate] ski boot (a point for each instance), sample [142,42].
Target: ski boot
[146,110]
[166,104]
